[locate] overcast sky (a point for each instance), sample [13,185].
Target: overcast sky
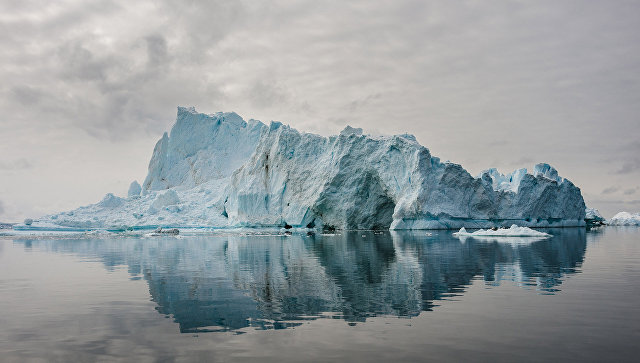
[87,87]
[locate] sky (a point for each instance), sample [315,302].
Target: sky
[87,88]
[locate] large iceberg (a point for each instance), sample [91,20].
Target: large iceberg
[625,219]
[222,172]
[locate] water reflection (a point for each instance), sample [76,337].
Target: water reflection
[272,282]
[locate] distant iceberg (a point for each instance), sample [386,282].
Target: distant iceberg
[219,171]
[593,218]
[625,219]
[593,214]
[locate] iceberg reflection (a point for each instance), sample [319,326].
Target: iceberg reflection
[216,283]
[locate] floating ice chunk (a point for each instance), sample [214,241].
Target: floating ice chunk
[28,222]
[625,219]
[513,231]
[163,232]
[134,189]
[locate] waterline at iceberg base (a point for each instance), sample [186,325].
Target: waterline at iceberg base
[219,171]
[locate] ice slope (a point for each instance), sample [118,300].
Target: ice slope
[625,219]
[220,171]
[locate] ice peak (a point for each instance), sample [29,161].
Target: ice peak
[547,171]
[409,137]
[274,125]
[189,109]
[501,182]
[110,201]
[348,130]
[201,147]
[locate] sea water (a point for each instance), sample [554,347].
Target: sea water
[347,296]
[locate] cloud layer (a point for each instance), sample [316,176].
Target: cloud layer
[89,86]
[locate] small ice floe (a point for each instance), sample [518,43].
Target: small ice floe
[513,231]
[514,235]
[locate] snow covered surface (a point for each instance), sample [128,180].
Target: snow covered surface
[625,219]
[218,171]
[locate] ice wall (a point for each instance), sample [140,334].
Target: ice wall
[355,181]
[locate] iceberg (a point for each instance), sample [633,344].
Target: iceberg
[219,171]
[593,214]
[593,217]
[625,219]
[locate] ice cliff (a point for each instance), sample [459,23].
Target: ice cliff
[220,171]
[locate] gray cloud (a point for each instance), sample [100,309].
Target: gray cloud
[522,161]
[1,208]
[610,190]
[27,95]
[498,143]
[79,64]
[17,164]
[157,52]
[265,94]
[630,166]
[630,191]
[363,102]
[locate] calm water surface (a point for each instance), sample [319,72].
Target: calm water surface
[356,296]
